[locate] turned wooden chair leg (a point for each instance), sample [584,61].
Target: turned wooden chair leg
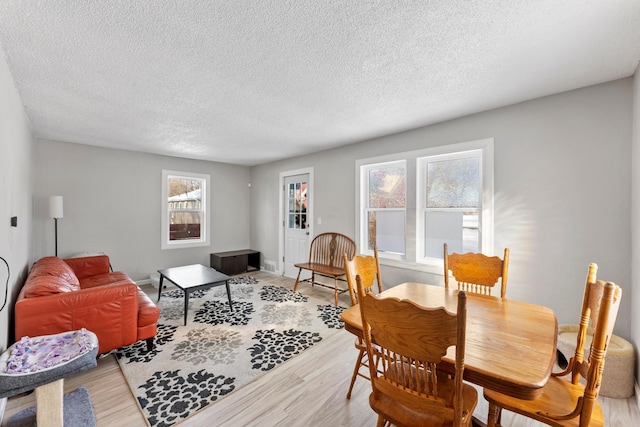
[355,372]
[495,412]
[337,291]
[381,422]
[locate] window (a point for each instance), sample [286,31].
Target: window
[450,203]
[185,209]
[385,207]
[411,203]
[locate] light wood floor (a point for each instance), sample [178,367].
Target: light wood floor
[308,390]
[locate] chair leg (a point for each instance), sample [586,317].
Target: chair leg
[381,421]
[356,370]
[297,280]
[495,413]
[149,342]
[335,284]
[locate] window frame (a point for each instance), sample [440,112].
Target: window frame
[166,243]
[422,209]
[364,202]
[413,225]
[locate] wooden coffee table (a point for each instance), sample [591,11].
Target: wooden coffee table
[190,278]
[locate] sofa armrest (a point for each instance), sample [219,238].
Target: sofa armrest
[89,265]
[110,311]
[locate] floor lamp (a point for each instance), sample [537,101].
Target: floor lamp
[55,212]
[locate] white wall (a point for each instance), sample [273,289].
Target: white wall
[15,197]
[562,192]
[112,204]
[635,225]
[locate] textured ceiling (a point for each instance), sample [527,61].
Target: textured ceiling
[252,81]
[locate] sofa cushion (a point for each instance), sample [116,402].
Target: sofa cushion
[89,265]
[42,286]
[54,266]
[105,279]
[50,276]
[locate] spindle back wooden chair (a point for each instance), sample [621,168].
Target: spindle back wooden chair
[476,272]
[368,268]
[564,402]
[409,389]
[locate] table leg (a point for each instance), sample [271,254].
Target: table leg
[186,305]
[160,286]
[226,283]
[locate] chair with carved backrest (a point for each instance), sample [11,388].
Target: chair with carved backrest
[409,388]
[368,268]
[572,402]
[476,272]
[325,259]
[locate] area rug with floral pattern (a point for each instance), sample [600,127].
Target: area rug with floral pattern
[220,349]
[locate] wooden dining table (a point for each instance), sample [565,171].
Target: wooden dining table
[510,344]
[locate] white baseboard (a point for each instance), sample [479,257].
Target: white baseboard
[275,273]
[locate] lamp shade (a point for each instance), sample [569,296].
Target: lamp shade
[55,206]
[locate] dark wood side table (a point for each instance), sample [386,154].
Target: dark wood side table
[236,262]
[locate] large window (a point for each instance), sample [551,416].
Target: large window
[184,209]
[412,203]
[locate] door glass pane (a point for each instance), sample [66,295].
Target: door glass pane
[297,205]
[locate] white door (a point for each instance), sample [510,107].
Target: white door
[296,223]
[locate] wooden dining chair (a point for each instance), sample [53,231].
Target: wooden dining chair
[476,272]
[409,389]
[368,268]
[569,401]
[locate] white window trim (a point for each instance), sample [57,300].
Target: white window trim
[165,243]
[365,169]
[412,201]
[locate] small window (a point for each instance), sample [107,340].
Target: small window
[184,209]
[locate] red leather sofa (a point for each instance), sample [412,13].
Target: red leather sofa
[65,295]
